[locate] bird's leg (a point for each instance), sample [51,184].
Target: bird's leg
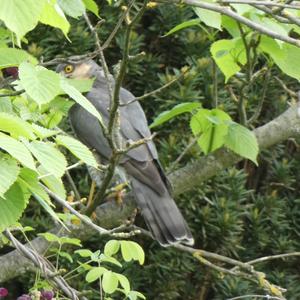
[117,192]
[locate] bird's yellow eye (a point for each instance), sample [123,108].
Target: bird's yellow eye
[68,69]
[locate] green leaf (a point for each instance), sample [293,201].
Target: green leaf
[82,85]
[286,57]
[20,16]
[17,150]
[43,132]
[6,105]
[10,57]
[12,205]
[92,6]
[65,255]
[109,282]
[231,26]
[242,141]
[53,15]
[208,17]
[111,247]
[79,98]
[84,252]
[183,25]
[53,183]
[9,171]
[15,126]
[95,274]
[213,127]
[70,241]
[40,84]
[124,282]
[133,295]
[132,251]
[29,179]
[112,260]
[228,54]
[50,237]
[49,157]
[73,8]
[175,111]
[78,149]
[60,104]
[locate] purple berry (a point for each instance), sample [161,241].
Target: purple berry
[11,71]
[3,292]
[47,295]
[24,297]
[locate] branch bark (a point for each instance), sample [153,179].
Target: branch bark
[110,214]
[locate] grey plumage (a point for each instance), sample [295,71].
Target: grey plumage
[149,184]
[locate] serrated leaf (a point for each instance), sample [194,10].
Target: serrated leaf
[43,132]
[40,84]
[17,150]
[53,15]
[109,282]
[242,141]
[21,16]
[10,57]
[73,8]
[60,104]
[92,6]
[53,183]
[9,171]
[29,179]
[183,25]
[175,111]
[13,205]
[79,98]
[124,282]
[49,157]
[111,247]
[229,55]
[208,17]
[15,126]
[81,151]
[95,274]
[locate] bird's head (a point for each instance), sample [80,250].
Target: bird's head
[84,69]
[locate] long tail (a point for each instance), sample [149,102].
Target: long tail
[161,215]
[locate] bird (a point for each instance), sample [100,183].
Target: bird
[149,184]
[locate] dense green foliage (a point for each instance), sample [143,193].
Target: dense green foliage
[245,212]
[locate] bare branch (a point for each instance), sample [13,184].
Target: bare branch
[230,13]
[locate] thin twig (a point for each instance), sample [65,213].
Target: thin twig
[83,218]
[15,93]
[183,153]
[152,93]
[45,266]
[230,13]
[265,3]
[73,185]
[262,98]
[117,27]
